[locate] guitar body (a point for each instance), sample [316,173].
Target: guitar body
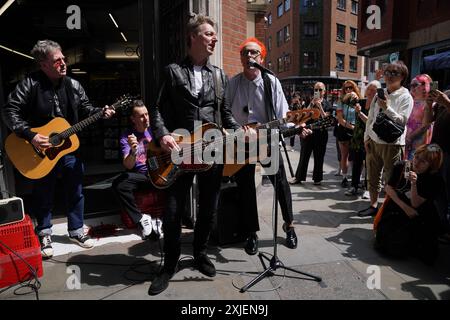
[163,171]
[33,164]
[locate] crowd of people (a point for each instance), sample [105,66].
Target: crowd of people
[413,216]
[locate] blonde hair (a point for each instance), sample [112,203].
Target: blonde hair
[432,153]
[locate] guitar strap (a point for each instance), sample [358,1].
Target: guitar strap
[218,85]
[268,98]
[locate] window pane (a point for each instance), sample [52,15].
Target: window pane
[353,35]
[280,10]
[340,32]
[341,4]
[287,5]
[354,64]
[287,34]
[340,61]
[354,7]
[310,60]
[311,29]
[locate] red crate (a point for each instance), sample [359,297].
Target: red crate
[21,238]
[13,270]
[18,236]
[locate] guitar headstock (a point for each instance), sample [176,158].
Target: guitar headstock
[301,116]
[124,102]
[327,122]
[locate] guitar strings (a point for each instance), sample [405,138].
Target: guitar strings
[304,116]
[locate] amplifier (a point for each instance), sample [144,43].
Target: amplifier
[11,211]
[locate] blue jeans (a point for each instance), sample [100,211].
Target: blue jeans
[70,169]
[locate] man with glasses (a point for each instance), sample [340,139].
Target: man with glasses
[40,97]
[316,142]
[250,103]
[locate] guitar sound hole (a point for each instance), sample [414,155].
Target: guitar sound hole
[55,139]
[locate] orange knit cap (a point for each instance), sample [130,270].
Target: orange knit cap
[259,43]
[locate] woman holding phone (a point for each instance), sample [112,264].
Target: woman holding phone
[346,116]
[397,103]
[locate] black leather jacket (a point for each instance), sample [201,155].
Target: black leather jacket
[32,103]
[177,107]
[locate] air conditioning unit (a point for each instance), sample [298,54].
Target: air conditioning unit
[11,211]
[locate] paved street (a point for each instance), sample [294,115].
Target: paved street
[334,243]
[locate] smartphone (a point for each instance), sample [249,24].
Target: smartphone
[434,85]
[316,95]
[380,93]
[362,103]
[407,169]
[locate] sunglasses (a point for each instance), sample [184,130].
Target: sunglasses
[388,73]
[253,53]
[318,90]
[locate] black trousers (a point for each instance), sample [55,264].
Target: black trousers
[316,144]
[245,179]
[124,186]
[209,183]
[358,157]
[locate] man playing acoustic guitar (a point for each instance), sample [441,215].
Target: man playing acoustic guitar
[36,100]
[191,91]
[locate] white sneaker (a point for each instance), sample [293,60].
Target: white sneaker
[46,246]
[83,241]
[146,223]
[366,195]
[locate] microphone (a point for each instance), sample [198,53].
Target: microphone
[254,64]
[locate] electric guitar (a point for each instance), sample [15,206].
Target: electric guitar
[231,169]
[35,163]
[163,170]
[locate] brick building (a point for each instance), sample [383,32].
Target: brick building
[313,40]
[416,31]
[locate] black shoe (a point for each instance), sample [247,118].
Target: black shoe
[204,265]
[160,283]
[369,212]
[295,181]
[344,183]
[251,247]
[188,223]
[291,237]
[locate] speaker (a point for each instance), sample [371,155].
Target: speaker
[11,211]
[227,228]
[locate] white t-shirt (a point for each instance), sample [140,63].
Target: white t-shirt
[198,79]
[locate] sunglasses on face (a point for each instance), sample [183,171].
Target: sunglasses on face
[316,90]
[253,52]
[389,73]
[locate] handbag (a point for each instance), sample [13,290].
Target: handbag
[387,129]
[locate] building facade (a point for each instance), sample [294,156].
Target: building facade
[416,32]
[313,40]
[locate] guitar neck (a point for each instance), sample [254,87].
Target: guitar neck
[81,125]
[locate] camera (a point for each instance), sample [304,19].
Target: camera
[380,93]
[407,169]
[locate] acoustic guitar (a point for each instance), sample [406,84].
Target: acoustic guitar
[163,170]
[35,163]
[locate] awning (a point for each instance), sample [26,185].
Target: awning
[437,61]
